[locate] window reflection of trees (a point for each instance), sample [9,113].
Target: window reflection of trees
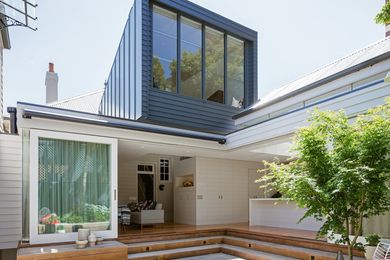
[165,71]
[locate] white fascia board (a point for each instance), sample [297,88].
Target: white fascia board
[279,148]
[320,90]
[353,103]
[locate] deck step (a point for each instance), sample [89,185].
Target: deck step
[177,253]
[320,245]
[165,236]
[207,250]
[251,254]
[281,249]
[172,244]
[204,245]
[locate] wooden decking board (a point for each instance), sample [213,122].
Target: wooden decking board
[173,244]
[177,241]
[177,253]
[225,241]
[292,237]
[108,250]
[251,254]
[171,236]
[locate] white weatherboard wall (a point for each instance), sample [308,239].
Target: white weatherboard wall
[1,90]
[353,104]
[10,191]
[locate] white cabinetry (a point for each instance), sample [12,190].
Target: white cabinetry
[185,205]
[220,192]
[185,197]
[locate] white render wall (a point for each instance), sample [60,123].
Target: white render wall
[10,191]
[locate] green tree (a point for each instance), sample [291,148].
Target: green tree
[341,171]
[383,17]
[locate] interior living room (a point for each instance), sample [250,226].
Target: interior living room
[188,187]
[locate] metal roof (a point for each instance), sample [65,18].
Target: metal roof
[365,57]
[40,111]
[88,102]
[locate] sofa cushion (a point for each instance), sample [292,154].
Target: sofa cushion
[142,205]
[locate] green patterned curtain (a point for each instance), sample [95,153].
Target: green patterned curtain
[74,182]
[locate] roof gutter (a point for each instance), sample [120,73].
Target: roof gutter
[124,124]
[318,83]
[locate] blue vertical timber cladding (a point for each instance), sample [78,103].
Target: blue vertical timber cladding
[171,108]
[147,55]
[119,94]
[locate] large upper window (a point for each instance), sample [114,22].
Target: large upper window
[235,72]
[214,45]
[191,58]
[195,60]
[164,49]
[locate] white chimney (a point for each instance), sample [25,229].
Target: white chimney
[51,83]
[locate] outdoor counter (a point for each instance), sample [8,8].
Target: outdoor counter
[279,213]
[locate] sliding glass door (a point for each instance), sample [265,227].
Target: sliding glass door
[73,185]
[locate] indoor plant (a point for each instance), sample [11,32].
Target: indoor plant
[372,241]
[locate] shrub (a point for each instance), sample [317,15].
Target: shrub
[373,240]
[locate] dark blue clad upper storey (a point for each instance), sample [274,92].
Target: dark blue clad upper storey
[181,65]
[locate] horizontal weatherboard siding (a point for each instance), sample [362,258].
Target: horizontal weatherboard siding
[10,191]
[190,112]
[174,109]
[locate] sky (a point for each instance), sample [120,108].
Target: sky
[81,38]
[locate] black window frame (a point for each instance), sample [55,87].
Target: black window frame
[226,33]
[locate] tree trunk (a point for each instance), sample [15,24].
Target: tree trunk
[350,255]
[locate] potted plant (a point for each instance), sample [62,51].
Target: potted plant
[60,229]
[372,241]
[50,220]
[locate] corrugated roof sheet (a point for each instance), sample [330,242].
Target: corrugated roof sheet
[365,54]
[88,102]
